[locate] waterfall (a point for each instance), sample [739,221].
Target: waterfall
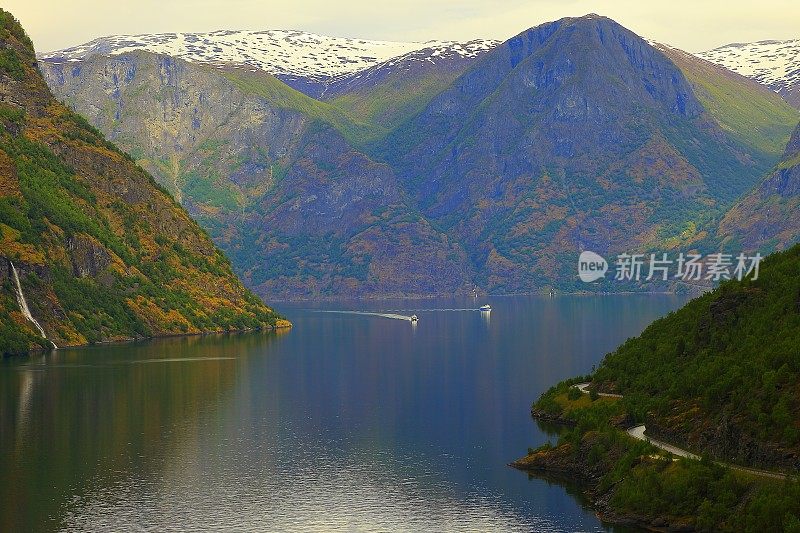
[23,305]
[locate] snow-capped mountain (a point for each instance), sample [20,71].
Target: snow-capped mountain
[773,63]
[434,58]
[283,53]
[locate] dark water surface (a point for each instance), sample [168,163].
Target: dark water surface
[350,422]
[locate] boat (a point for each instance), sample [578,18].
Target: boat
[486,307]
[413,318]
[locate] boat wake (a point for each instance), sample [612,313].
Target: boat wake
[368,313]
[431,310]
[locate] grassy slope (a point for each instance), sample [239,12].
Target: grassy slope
[281,95]
[395,100]
[103,252]
[751,113]
[765,219]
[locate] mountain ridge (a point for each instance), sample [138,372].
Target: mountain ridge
[304,60]
[535,111]
[311,62]
[270,172]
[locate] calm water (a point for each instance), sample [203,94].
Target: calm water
[350,422]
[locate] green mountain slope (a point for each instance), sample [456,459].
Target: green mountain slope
[280,95]
[766,218]
[389,94]
[748,111]
[722,375]
[102,253]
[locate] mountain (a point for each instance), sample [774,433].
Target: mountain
[776,64]
[270,173]
[577,134]
[305,61]
[766,218]
[91,248]
[719,377]
[442,169]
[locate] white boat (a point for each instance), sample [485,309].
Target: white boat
[486,307]
[413,318]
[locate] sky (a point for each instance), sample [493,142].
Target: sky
[693,25]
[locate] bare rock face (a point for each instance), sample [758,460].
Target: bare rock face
[89,257]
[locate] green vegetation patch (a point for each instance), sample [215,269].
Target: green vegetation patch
[281,95]
[753,115]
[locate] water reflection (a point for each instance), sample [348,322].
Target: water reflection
[79,420]
[347,423]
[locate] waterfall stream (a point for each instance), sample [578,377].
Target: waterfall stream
[23,305]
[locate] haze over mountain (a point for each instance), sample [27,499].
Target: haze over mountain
[440,169]
[91,248]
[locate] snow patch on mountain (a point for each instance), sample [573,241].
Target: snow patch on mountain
[773,63]
[278,52]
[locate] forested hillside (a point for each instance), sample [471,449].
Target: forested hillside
[719,378]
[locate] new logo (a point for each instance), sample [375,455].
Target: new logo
[591,267]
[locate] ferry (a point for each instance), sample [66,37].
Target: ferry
[413,318]
[486,307]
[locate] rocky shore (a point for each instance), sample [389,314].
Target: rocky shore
[566,464]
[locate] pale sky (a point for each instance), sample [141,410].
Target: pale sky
[693,25]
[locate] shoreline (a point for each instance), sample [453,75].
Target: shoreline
[559,464]
[481,295]
[283,325]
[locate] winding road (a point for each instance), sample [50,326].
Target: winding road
[638,432]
